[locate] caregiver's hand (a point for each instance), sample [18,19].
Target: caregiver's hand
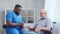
[21,24]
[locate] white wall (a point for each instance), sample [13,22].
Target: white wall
[53,7]
[50,6]
[57,15]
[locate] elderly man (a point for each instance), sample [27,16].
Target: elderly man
[43,24]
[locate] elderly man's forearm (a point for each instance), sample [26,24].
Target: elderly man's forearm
[45,28]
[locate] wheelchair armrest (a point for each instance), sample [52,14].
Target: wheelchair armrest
[47,32]
[4,26]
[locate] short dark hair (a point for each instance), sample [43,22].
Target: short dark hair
[17,5]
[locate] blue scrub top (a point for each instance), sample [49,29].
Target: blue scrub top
[12,17]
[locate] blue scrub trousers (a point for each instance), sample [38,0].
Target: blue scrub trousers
[14,31]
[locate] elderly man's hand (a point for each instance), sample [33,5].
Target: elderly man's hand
[25,27]
[37,29]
